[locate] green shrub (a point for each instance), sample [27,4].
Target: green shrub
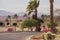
[1,23]
[29,23]
[14,24]
[50,36]
[55,24]
[8,23]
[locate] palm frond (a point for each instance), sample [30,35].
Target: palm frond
[25,15]
[29,12]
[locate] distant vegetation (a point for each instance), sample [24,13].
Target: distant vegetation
[1,23]
[55,24]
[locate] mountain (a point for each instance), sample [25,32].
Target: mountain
[6,13]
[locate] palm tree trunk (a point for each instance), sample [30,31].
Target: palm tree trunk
[17,22]
[51,14]
[10,22]
[35,13]
[31,29]
[28,29]
[38,26]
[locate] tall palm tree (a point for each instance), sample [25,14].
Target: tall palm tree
[16,17]
[8,20]
[42,16]
[51,14]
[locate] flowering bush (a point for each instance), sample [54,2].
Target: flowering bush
[10,29]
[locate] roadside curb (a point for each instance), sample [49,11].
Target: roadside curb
[16,31]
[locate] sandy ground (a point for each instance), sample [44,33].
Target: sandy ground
[39,37]
[3,29]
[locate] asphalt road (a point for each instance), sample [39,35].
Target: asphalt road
[16,35]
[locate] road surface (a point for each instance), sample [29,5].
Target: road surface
[16,35]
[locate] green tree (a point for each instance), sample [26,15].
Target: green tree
[14,24]
[16,17]
[29,23]
[54,27]
[32,7]
[49,25]
[2,24]
[42,16]
[8,19]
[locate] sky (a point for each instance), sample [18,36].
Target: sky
[20,5]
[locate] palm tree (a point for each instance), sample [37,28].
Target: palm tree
[51,14]
[33,5]
[9,17]
[8,20]
[42,16]
[16,17]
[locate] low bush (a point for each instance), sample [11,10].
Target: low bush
[50,36]
[49,25]
[9,29]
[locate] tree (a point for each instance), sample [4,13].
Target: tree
[42,16]
[8,23]
[32,7]
[14,24]
[8,19]
[16,17]
[38,28]
[51,14]
[55,24]
[1,24]
[29,23]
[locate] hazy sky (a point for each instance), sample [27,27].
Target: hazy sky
[20,5]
